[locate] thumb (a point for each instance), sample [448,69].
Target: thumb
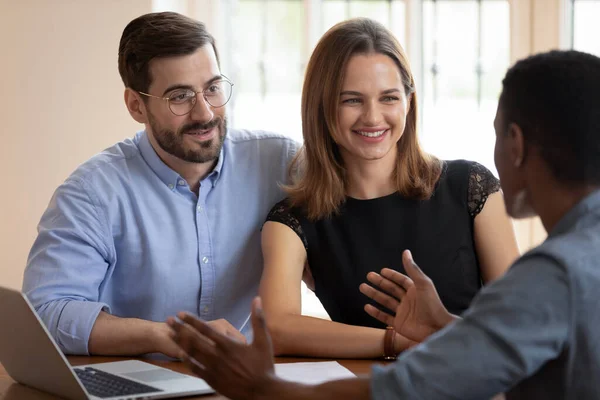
[411,267]
[262,339]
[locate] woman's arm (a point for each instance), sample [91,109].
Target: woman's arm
[295,334]
[495,240]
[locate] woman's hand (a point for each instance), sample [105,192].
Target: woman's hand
[419,310]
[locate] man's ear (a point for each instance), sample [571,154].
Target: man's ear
[135,106]
[516,144]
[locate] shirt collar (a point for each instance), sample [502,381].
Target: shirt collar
[577,214]
[163,171]
[216,172]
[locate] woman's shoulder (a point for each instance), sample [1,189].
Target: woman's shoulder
[471,181]
[281,211]
[286,214]
[465,169]
[283,208]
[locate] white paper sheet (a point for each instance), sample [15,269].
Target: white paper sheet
[312,372]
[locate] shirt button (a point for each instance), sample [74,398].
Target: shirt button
[205,310]
[205,260]
[181,182]
[199,208]
[171,186]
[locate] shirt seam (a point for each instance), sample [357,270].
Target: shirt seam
[89,168]
[102,221]
[236,140]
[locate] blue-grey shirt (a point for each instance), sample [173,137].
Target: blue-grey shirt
[534,334]
[125,233]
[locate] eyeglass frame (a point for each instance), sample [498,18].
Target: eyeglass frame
[168,99]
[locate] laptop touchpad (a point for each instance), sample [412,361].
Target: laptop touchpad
[155,375]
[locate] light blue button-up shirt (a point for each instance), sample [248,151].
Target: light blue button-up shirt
[125,234]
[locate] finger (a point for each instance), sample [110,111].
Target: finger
[173,335]
[236,335]
[379,315]
[223,326]
[171,323]
[385,300]
[188,339]
[262,339]
[209,373]
[411,267]
[207,331]
[388,285]
[195,366]
[397,279]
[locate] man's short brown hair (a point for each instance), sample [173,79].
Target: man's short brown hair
[157,35]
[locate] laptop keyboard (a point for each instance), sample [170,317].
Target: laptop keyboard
[103,384]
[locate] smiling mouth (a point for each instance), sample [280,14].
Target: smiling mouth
[371,134]
[199,132]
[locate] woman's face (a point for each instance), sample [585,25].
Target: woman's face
[372,109]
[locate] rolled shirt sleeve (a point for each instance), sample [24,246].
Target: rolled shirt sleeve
[514,326]
[67,265]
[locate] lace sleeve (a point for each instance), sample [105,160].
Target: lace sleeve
[283,214]
[482,183]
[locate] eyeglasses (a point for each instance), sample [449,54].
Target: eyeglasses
[182,101]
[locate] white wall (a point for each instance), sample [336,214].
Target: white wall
[61,101]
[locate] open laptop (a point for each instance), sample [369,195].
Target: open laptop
[31,357]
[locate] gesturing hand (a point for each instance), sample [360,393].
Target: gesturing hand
[234,369]
[419,310]
[223,327]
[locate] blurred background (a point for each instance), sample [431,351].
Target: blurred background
[62,97]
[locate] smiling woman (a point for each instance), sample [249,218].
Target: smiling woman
[337,106]
[365,192]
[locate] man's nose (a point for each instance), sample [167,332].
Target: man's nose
[202,110]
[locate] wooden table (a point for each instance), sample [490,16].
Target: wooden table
[10,390]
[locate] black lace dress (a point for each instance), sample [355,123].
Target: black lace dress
[368,235]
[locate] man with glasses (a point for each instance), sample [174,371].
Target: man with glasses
[165,221]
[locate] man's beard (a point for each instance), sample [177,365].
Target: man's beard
[173,143]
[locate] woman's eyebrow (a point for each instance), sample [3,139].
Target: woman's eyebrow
[350,93]
[354,93]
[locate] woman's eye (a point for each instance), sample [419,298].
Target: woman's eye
[351,101]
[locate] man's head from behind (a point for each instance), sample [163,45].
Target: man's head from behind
[549,115]
[164,60]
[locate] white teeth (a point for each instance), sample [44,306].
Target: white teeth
[371,134]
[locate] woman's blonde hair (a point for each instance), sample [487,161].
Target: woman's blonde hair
[317,171]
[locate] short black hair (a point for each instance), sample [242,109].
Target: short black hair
[156,35]
[554,97]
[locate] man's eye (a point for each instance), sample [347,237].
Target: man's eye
[213,89]
[180,96]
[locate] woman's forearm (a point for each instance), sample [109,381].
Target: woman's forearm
[314,337]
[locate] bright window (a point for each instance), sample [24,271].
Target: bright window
[465,52]
[268,65]
[585,26]
[465,55]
